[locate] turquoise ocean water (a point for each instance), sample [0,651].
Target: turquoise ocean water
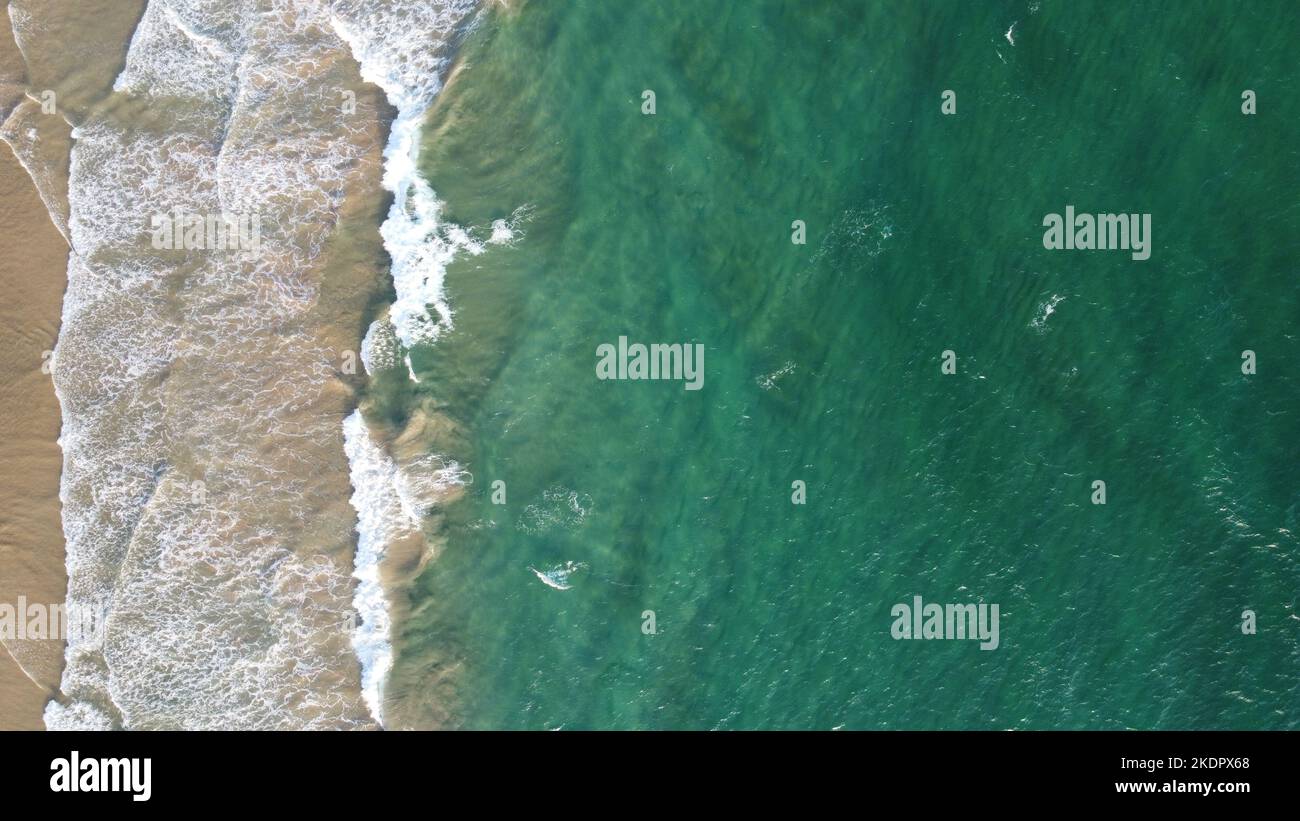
[822,365]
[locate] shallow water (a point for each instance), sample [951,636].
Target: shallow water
[822,365]
[369,473]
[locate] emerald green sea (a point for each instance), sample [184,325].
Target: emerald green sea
[822,365]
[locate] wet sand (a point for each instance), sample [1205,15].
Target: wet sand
[248,407]
[77,48]
[76,54]
[33,266]
[33,260]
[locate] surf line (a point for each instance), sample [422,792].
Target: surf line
[419,246]
[417,261]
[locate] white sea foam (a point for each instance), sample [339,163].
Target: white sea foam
[558,576]
[560,509]
[391,501]
[379,350]
[507,231]
[199,451]
[197,442]
[1045,311]
[404,52]
[380,519]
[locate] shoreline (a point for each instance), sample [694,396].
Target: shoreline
[34,260]
[35,179]
[33,273]
[394,482]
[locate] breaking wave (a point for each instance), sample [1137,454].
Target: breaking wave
[204,466]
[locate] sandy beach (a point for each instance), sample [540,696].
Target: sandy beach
[198,478]
[33,264]
[161,504]
[33,276]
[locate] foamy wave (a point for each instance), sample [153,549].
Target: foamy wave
[76,716]
[379,350]
[560,509]
[391,501]
[381,518]
[201,446]
[507,231]
[559,576]
[404,53]
[1045,311]
[198,436]
[426,480]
